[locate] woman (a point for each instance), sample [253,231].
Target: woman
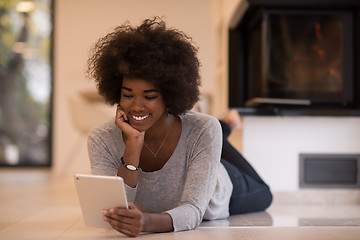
[168,156]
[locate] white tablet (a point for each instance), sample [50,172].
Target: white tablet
[97,193]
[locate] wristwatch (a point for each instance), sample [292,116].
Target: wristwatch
[129,166]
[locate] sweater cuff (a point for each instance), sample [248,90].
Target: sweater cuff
[183,219]
[130,193]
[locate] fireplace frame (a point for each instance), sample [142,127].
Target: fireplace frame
[240,86]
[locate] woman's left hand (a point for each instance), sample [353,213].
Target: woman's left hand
[127,221]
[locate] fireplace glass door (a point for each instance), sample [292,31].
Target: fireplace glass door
[306,55]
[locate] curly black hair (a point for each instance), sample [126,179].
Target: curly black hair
[163,56]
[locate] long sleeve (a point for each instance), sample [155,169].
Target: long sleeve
[201,177]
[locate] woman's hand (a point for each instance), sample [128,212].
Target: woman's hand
[127,221]
[122,121]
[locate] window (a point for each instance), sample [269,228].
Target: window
[26,29]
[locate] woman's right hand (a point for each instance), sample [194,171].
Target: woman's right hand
[130,133]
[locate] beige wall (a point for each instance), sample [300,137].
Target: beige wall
[78,24]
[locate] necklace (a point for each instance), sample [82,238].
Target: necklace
[167,134]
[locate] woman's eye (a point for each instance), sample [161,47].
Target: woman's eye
[127,96]
[150,97]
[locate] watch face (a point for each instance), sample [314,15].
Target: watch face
[131,167]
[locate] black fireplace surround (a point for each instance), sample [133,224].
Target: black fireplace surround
[296,57]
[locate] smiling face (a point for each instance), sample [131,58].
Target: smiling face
[142,103]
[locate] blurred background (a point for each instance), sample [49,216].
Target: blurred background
[56,105]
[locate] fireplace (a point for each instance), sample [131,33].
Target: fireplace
[298,58]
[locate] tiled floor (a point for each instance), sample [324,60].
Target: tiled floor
[36,205]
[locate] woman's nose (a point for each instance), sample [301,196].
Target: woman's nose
[138,104]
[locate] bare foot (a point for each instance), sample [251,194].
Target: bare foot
[233,119]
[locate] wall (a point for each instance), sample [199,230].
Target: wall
[273,144]
[222,12]
[78,24]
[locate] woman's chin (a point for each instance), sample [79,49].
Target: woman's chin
[138,128]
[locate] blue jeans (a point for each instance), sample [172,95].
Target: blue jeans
[250,192]
[248,195]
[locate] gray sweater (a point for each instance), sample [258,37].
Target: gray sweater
[192,185]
